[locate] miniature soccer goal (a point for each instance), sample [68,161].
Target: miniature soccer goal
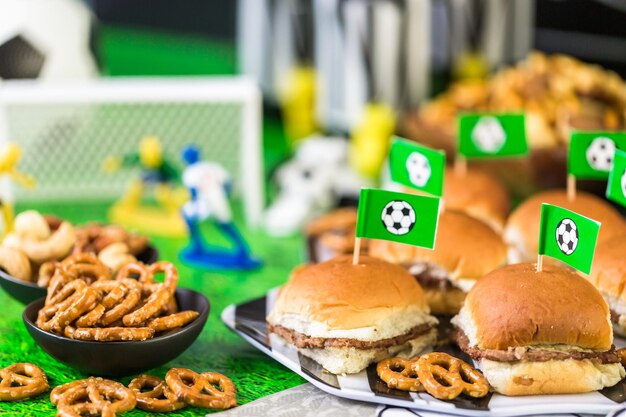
[66,130]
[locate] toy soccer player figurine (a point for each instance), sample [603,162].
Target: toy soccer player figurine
[209,186]
[10,155]
[157,174]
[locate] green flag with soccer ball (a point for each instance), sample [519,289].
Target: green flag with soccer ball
[417,166]
[616,187]
[485,135]
[590,154]
[568,237]
[399,217]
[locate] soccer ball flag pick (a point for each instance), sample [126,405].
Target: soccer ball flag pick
[568,237]
[616,186]
[485,135]
[591,155]
[417,166]
[399,217]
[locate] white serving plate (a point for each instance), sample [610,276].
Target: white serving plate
[248,320]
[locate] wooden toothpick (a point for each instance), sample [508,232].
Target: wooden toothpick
[539,263]
[571,187]
[460,165]
[357,251]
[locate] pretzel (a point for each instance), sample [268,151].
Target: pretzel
[153,305]
[15,263]
[446,377]
[93,395]
[135,270]
[22,380]
[87,267]
[159,399]
[172,321]
[170,272]
[207,390]
[398,373]
[114,305]
[109,334]
[69,304]
[46,272]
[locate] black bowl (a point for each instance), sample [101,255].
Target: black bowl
[26,292]
[118,359]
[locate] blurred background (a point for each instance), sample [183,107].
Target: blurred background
[353,69]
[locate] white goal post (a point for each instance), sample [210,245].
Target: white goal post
[67,129]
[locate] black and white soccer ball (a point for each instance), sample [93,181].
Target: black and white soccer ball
[488,135]
[47,39]
[600,154]
[418,168]
[398,217]
[567,236]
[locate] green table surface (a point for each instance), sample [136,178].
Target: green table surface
[217,348]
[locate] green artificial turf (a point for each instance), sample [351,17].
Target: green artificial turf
[217,348]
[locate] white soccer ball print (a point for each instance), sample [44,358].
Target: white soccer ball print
[398,217]
[600,154]
[419,170]
[488,135]
[567,236]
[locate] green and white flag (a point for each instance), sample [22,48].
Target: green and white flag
[487,135]
[590,154]
[399,217]
[417,166]
[568,237]
[616,187]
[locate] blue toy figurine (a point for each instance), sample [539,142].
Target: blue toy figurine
[209,186]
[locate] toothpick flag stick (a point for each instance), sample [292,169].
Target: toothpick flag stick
[571,187]
[539,263]
[357,251]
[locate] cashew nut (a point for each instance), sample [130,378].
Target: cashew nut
[57,246]
[31,225]
[15,263]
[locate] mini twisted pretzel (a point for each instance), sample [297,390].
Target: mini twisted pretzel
[135,270]
[446,377]
[170,272]
[22,380]
[159,398]
[95,393]
[86,409]
[207,390]
[118,298]
[87,267]
[153,305]
[398,373]
[109,334]
[161,324]
[55,317]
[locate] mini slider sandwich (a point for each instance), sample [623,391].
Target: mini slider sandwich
[521,232]
[543,332]
[347,316]
[332,234]
[478,194]
[465,250]
[608,275]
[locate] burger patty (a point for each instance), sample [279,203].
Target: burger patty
[615,316]
[429,277]
[525,354]
[303,341]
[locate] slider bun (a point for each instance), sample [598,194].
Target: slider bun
[516,306]
[342,296]
[521,232]
[608,272]
[465,247]
[478,194]
[551,377]
[342,219]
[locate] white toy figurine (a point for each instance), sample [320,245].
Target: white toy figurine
[209,185]
[310,183]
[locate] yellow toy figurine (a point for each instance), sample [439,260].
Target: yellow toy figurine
[297,96]
[10,155]
[157,175]
[370,140]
